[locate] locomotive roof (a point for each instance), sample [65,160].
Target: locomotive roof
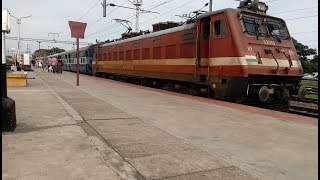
[154,34]
[166,31]
[215,12]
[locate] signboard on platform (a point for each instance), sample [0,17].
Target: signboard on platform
[26,59]
[5,21]
[77,29]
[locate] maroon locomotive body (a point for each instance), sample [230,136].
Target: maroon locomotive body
[233,54]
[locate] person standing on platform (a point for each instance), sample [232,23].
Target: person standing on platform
[59,66]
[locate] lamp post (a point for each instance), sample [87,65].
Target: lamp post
[39,48]
[19,22]
[28,50]
[54,39]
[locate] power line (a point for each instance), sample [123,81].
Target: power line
[63,32]
[301,17]
[152,18]
[294,10]
[167,11]
[270,1]
[107,15]
[304,32]
[160,4]
[97,32]
[112,26]
[88,10]
[310,40]
[45,40]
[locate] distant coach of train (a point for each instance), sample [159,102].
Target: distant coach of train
[231,54]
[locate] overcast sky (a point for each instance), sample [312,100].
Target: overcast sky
[53,16]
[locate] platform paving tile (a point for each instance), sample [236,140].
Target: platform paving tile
[97,110]
[176,163]
[46,117]
[118,134]
[225,173]
[153,152]
[53,153]
[87,106]
[161,146]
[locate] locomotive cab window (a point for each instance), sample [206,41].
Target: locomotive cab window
[206,29]
[219,28]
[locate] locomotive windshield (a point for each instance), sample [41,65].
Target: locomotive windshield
[277,30]
[256,27]
[253,26]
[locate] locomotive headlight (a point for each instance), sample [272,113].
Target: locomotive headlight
[262,7]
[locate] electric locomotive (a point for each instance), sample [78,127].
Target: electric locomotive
[233,54]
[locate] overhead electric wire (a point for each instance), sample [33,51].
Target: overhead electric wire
[45,40]
[111,26]
[303,32]
[106,15]
[302,17]
[270,1]
[294,10]
[63,32]
[149,19]
[167,12]
[88,10]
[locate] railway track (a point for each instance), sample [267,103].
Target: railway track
[306,107]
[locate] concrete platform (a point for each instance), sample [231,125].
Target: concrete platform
[143,133]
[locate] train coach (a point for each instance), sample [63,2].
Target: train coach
[69,59]
[236,54]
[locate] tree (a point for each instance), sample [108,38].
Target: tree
[304,53]
[51,51]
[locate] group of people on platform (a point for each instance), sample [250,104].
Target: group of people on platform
[54,67]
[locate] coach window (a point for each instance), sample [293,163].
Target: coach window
[128,55]
[115,56]
[109,56]
[145,53]
[187,36]
[136,54]
[136,44]
[219,29]
[157,42]
[121,55]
